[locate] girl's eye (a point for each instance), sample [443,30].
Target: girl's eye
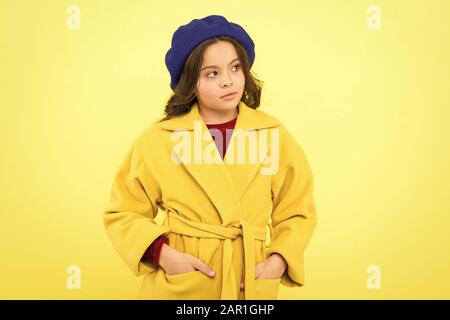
[236,65]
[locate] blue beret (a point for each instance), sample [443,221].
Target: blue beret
[187,37]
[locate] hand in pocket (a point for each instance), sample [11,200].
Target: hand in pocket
[175,262]
[272,268]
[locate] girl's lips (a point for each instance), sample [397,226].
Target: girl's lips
[230,96]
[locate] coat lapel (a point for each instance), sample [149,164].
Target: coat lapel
[224,181]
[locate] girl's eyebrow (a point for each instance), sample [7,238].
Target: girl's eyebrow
[218,66]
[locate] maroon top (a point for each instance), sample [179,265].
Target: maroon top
[153,251]
[222,143]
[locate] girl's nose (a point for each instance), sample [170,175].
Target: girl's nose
[227,81]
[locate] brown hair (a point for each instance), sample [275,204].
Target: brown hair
[184,96]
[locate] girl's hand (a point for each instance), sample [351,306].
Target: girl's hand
[272,268]
[175,262]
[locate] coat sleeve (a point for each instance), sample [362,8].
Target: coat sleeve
[294,214]
[128,217]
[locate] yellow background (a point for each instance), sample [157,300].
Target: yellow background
[370,108]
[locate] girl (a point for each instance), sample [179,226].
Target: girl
[222,171]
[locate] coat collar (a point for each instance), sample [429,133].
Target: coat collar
[225,182]
[248,119]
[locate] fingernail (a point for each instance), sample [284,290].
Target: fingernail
[211,273]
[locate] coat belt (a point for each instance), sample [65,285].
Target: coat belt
[249,233]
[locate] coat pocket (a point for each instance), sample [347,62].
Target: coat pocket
[193,285]
[184,277]
[267,289]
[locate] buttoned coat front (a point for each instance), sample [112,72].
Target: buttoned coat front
[231,213]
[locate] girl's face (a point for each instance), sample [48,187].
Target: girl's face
[220,74]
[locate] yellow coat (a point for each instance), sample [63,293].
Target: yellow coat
[220,213]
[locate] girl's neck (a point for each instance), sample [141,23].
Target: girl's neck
[213,117]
